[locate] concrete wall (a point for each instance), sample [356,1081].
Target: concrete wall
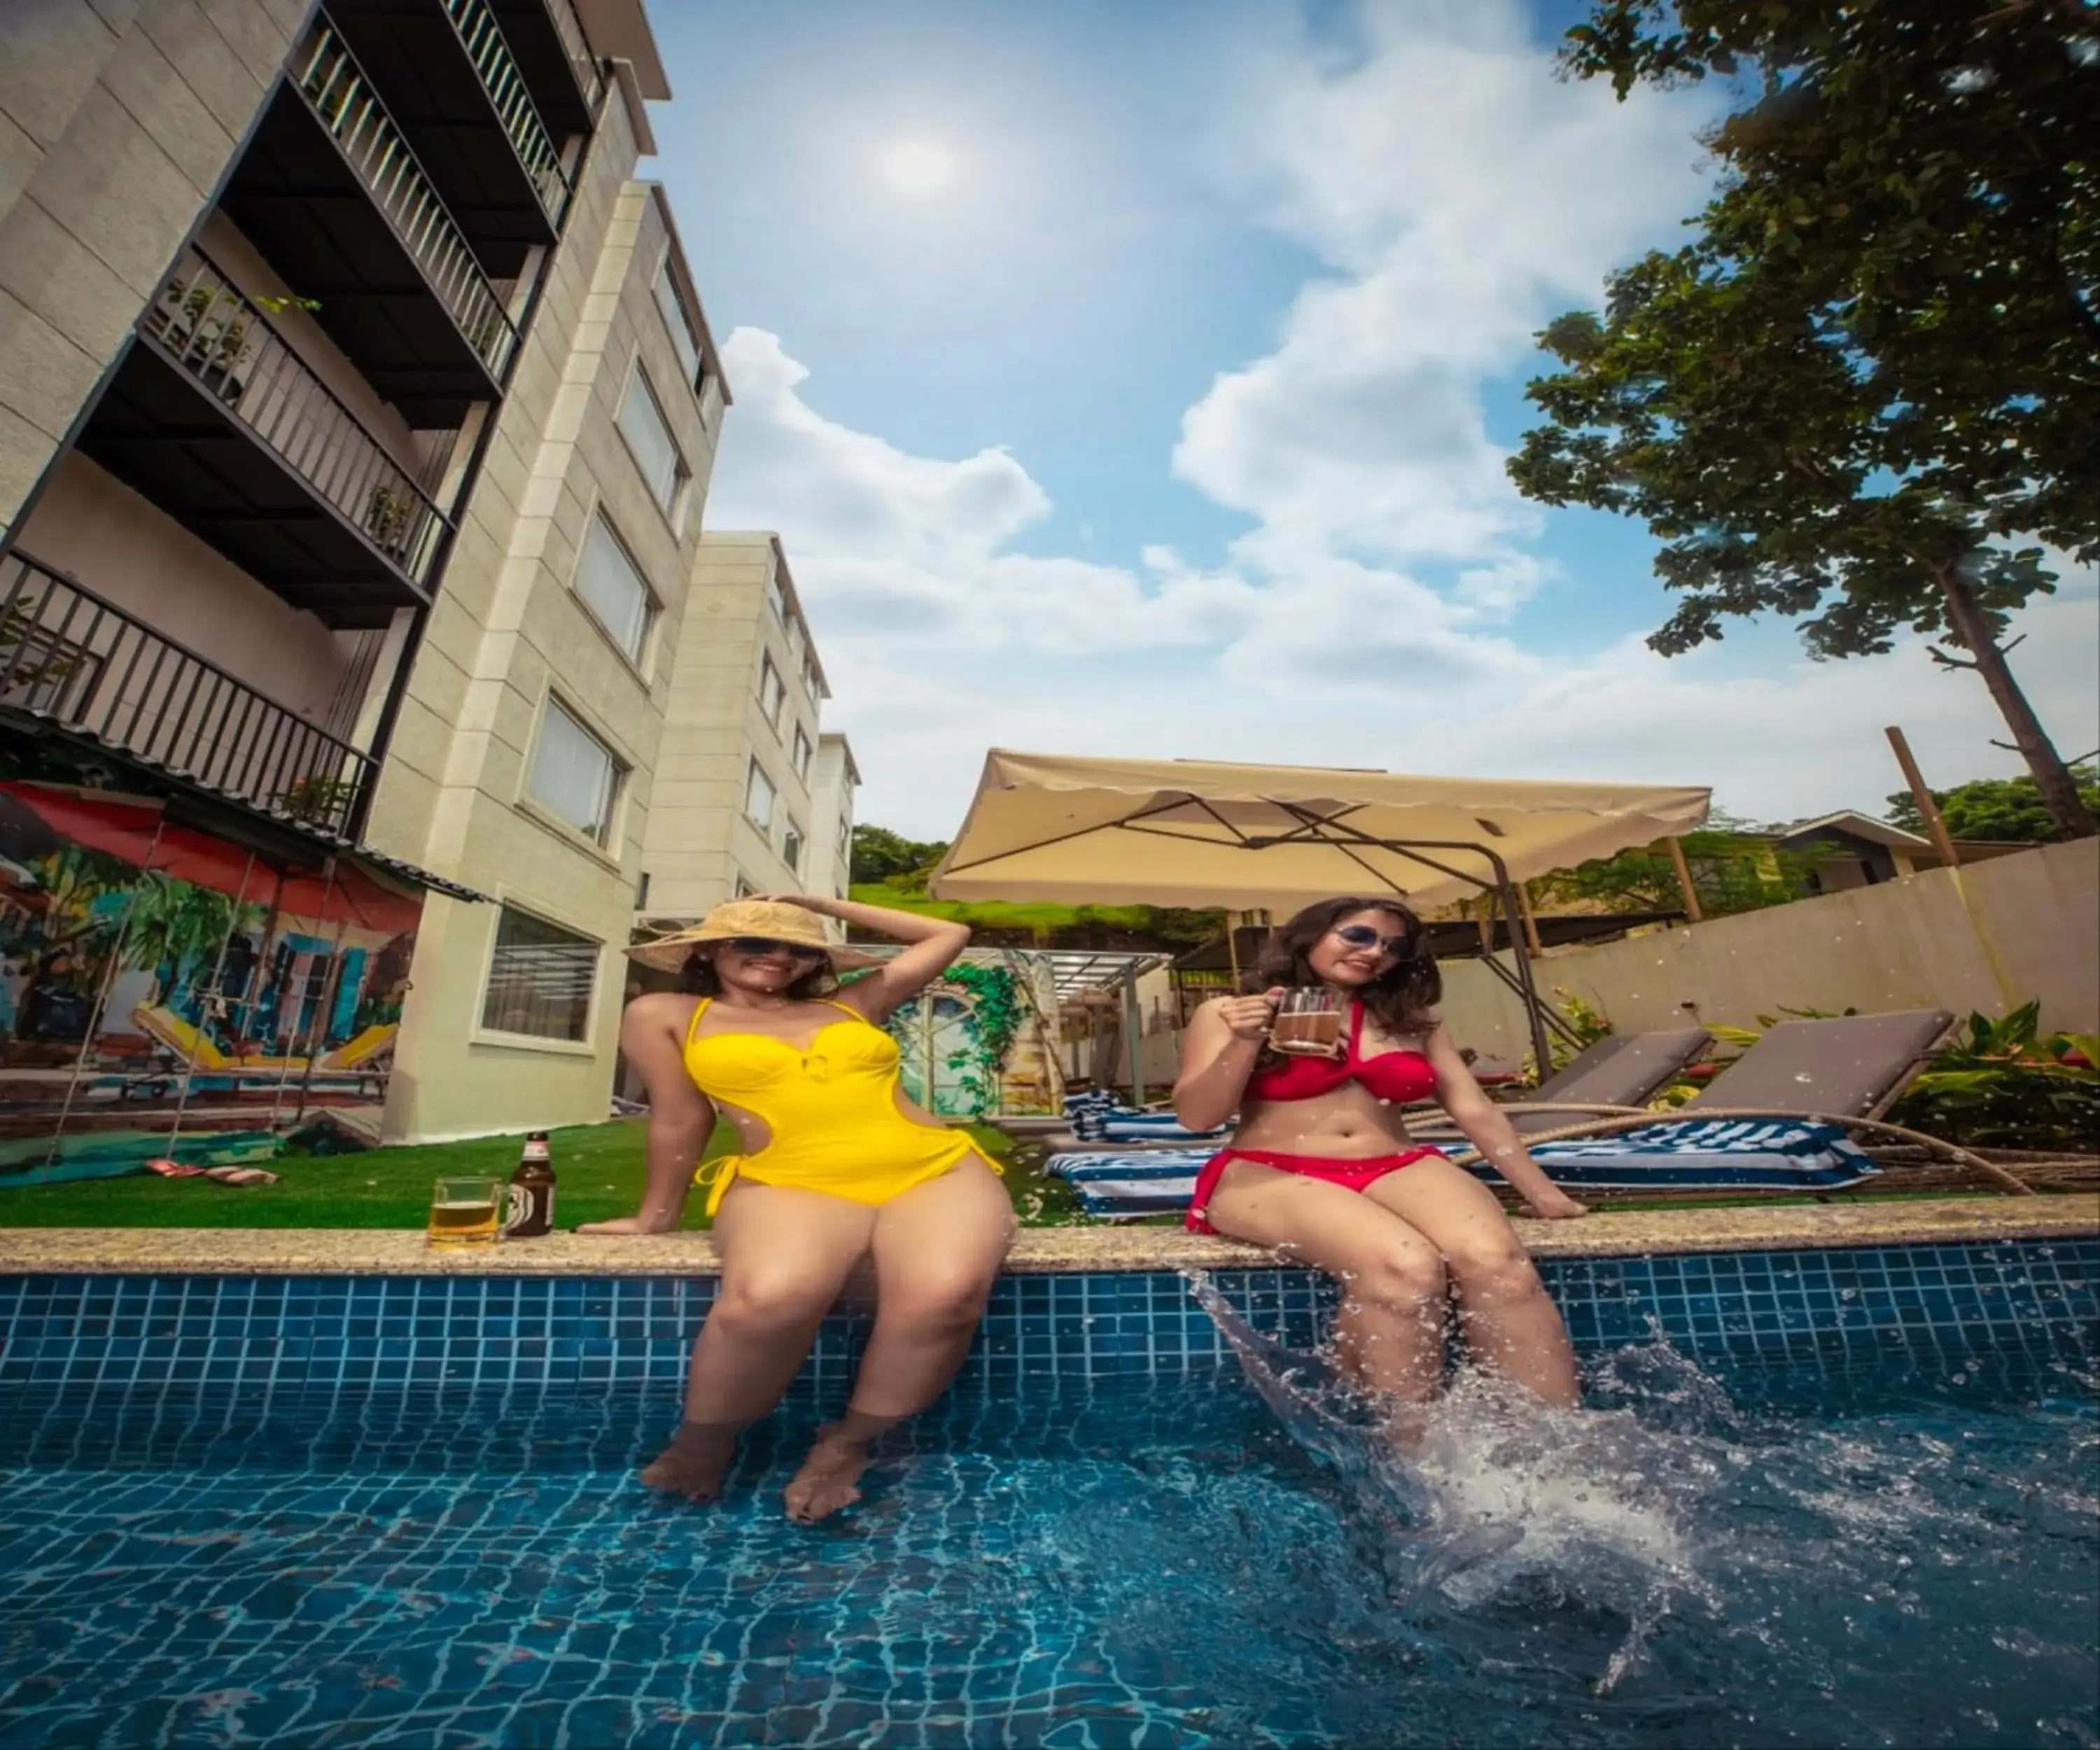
[117,118]
[700,842]
[832,786]
[507,633]
[1904,944]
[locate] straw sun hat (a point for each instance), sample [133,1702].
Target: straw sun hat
[764,918]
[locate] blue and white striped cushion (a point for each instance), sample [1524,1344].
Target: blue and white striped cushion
[1688,1155]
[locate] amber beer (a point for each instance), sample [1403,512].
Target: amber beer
[1308,1023]
[531,1211]
[464,1212]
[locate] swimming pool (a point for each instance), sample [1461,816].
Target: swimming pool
[1839,1496]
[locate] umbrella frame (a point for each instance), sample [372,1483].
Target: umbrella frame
[1332,829]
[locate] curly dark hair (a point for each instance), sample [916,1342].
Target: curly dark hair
[1400,999]
[699,978]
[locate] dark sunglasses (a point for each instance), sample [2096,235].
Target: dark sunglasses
[1363,936]
[756,946]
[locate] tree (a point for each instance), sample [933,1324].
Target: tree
[1734,867]
[880,855]
[2007,809]
[1877,371]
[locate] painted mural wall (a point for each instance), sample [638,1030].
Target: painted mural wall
[980,1042]
[166,992]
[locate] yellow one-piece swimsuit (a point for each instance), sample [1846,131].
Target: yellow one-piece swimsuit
[831,1108]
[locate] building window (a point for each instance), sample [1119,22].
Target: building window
[791,845]
[776,598]
[758,798]
[649,438]
[685,336]
[641,891]
[810,678]
[611,587]
[574,776]
[743,889]
[771,691]
[845,841]
[539,981]
[802,753]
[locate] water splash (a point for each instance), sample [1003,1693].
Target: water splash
[1487,1498]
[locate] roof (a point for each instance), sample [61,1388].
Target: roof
[1200,833]
[1858,825]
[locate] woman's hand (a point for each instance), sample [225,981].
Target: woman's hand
[1250,1018]
[815,903]
[632,1225]
[1554,1204]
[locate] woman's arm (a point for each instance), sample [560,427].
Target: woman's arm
[680,1117]
[1218,1054]
[1487,1128]
[932,944]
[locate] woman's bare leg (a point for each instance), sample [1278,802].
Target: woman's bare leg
[785,1253]
[938,1250]
[1510,1323]
[1390,1335]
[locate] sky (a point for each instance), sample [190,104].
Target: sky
[1138,379]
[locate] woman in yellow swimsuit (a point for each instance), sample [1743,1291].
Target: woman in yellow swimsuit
[837,1166]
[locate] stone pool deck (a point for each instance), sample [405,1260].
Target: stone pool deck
[311,1251]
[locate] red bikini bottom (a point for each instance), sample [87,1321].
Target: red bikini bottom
[1351,1176]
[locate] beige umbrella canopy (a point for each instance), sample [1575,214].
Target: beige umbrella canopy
[1203,833]
[1199,832]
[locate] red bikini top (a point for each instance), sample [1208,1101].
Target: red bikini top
[1394,1076]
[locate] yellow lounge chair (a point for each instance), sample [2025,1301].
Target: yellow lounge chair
[172,1032]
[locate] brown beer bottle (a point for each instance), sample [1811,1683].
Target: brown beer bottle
[531,1210]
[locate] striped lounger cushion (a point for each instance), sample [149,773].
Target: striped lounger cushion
[1708,1154]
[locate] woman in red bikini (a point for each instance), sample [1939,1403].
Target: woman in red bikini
[1322,1167]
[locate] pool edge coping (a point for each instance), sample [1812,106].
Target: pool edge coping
[355,1251]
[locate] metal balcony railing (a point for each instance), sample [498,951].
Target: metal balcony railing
[328,77]
[223,339]
[72,659]
[590,76]
[500,77]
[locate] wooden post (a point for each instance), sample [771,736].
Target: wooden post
[1531,943]
[1943,841]
[1693,914]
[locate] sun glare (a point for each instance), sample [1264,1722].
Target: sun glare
[917,167]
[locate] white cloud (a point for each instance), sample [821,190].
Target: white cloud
[1458,197]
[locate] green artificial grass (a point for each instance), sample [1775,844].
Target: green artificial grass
[599,1170]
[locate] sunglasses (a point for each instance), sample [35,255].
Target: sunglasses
[756,946]
[1363,936]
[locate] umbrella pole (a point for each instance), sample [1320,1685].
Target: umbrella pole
[1133,1042]
[1527,987]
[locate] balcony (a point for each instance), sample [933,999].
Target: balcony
[333,193]
[547,40]
[214,418]
[452,85]
[72,660]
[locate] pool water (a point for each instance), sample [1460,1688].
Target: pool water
[1752,1554]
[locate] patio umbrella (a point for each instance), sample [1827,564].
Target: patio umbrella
[1205,833]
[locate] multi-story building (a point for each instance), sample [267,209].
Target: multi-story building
[356,414]
[832,817]
[739,803]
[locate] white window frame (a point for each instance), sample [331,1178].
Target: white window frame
[650,606]
[559,1042]
[741,887]
[616,772]
[770,707]
[804,750]
[682,472]
[755,774]
[794,845]
[684,333]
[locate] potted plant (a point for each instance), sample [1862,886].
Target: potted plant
[389,512]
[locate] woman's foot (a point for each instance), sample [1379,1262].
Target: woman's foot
[694,1463]
[830,1476]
